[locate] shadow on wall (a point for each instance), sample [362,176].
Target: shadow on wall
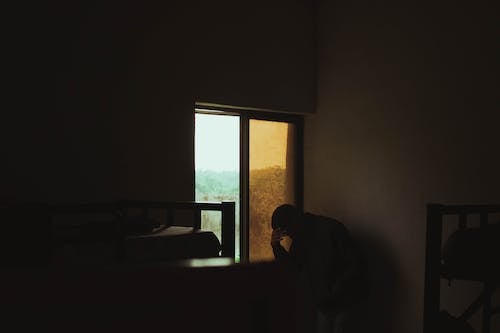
[383,276]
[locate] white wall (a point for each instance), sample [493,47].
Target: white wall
[407,114]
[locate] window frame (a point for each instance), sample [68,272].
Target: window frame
[247,114]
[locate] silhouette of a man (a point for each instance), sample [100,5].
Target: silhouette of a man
[326,261]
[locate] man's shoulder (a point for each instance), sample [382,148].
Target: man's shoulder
[321,219]
[326,224]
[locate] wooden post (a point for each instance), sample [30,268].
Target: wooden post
[432,267]
[483,219]
[228,226]
[488,291]
[197,218]
[462,221]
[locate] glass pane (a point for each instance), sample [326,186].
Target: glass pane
[272,180]
[217,167]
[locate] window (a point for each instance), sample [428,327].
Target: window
[217,167]
[253,158]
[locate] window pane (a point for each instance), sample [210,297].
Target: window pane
[272,180]
[217,167]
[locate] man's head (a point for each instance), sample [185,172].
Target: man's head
[286,217]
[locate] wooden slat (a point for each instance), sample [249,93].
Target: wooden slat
[432,267]
[228,229]
[467,209]
[483,219]
[472,308]
[462,221]
[197,218]
[181,205]
[486,323]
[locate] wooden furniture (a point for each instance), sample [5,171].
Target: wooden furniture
[168,239]
[227,210]
[484,270]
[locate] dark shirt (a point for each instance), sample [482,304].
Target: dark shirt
[325,258]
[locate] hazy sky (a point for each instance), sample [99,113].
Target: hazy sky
[217,140]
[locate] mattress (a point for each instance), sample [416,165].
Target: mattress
[96,244]
[172,243]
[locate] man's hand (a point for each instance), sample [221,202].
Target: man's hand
[279,251]
[277,235]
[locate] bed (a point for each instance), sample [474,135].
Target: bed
[138,231]
[173,239]
[469,253]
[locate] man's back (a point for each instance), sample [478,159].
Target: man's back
[328,261]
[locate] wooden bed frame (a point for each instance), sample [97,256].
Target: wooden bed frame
[434,269]
[119,209]
[226,208]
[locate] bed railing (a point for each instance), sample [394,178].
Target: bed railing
[227,209]
[119,208]
[434,267]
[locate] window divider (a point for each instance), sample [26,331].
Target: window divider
[244,187]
